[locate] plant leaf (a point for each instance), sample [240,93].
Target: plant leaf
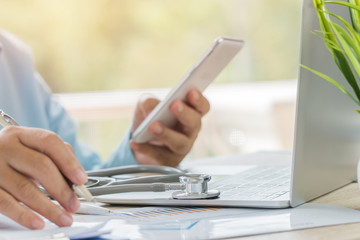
[353,33]
[332,44]
[339,86]
[324,22]
[342,62]
[350,5]
[355,17]
[340,58]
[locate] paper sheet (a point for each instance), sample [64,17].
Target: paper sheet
[218,223]
[240,222]
[190,223]
[9,230]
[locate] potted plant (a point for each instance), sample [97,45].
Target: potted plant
[343,41]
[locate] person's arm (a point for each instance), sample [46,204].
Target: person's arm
[29,99]
[60,122]
[26,97]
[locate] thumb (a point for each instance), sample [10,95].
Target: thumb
[145,105]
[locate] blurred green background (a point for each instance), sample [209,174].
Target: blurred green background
[105,45]
[87,45]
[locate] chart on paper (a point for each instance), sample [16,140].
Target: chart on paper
[164,214]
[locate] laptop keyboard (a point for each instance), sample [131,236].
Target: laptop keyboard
[257,183]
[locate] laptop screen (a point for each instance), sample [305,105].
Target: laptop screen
[327,131]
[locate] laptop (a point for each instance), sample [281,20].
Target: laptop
[326,145]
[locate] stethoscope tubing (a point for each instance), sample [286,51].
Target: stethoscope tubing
[145,187]
[151,179]
[139,184]
[102,181]
[134,169]
[191,186]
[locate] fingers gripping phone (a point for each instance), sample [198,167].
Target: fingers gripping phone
[220,53]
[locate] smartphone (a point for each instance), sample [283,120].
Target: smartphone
[215,59]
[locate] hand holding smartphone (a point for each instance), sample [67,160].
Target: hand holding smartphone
[215,59]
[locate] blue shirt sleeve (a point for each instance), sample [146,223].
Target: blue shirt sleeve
[122,155]
[26,97]
[66,128]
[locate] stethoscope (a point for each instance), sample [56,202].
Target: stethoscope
[186,186]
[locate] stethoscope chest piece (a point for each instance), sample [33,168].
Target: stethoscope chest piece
[195,187]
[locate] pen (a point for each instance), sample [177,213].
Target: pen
[91,209]
[83,192]
[80,190]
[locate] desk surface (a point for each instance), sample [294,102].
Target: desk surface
[348,196]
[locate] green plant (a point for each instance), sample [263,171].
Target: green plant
[343,41]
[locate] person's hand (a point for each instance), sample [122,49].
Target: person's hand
[29,157]
[171,145]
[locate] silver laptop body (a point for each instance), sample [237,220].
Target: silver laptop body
[326,144]
[326,149]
